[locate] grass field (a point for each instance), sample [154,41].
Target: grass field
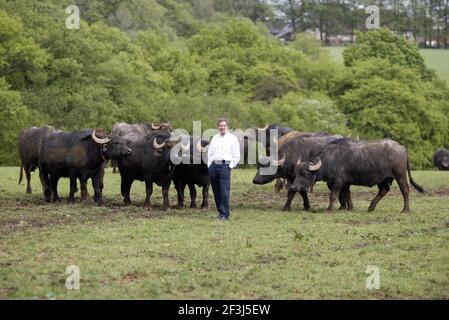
[261,253]
[435,59]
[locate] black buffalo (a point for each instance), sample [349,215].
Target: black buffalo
[441,159]
[77,155]
[264,133]
[149,162]
[303,146]
[193,171]
[347,162]
[29,140]
[136,131]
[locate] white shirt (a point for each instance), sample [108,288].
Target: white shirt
[224,147]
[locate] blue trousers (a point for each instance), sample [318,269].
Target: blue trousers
[220,179]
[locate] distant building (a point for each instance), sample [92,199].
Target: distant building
[283,32]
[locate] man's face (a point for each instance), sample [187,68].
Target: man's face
[222,127]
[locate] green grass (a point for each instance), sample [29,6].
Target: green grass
[261,253]
[435,59]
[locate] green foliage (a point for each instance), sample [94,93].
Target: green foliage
[13,114]
[21,59]
[314,113]
[309,45]
[206,109]
[384,44]
[180,61]
[385,100]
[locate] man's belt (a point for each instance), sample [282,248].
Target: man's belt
[222,162]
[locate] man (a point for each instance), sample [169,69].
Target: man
[223,155]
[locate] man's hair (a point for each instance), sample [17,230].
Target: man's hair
[221,120]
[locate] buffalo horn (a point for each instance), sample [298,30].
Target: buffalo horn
[98,140]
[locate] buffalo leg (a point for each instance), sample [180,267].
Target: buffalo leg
[73,189]
[192,190]
[349,203]
[28,177]
[44,175]
[345,199]
[83,187]
[180,187]
[149,192]
[383,190]
[332,197]
[405,189]
[97,185]
[279,185]
[290,196]
[42,181]
[54,179]
[205,202]
[125,188]
[165,195]
[305,199]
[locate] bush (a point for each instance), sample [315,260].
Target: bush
[13,116]
[384,100]
[384,44]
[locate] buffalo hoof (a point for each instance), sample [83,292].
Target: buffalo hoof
[29,191]
[286,209]
[371,209]
[204,208]
[405,211]
[193,205]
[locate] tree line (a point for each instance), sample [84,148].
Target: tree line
[178,61]
[427,21]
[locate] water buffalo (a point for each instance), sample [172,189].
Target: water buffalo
[29,140]
[303,146]
[193,171]
[441,159]
[149,162]
[345,162]
[77,155]
[136,131]
[265,134]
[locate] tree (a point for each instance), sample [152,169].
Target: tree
[13,115]
[384,44]
[381,99]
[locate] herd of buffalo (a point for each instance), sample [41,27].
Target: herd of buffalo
[144,152]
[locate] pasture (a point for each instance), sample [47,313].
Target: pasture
[261,253]
[435,59]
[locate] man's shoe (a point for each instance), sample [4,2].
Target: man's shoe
[223,218]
